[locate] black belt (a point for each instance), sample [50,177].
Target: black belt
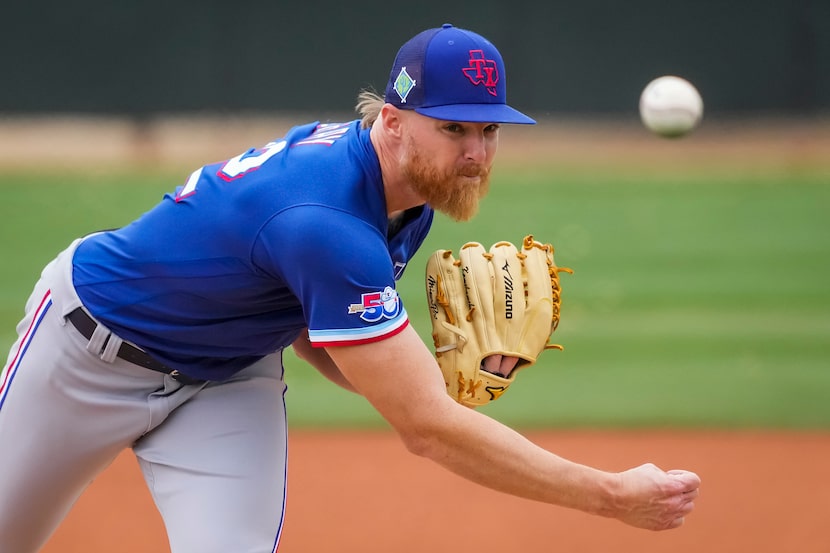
[86,325]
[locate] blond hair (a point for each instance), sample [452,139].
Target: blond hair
[368,107]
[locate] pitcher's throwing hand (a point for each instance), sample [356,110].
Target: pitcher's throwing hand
[656,500]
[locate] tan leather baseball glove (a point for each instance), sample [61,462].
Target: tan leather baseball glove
[497,302]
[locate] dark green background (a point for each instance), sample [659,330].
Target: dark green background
[146,58]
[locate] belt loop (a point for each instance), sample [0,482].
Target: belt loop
[111,348]
[98,339]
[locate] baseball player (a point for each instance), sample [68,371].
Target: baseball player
[166,335]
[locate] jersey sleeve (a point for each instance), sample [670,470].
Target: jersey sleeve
[339,268]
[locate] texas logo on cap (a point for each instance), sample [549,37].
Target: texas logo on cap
[482,71]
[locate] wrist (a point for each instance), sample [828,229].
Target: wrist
[608,492]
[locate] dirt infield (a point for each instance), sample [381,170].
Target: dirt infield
[761,492]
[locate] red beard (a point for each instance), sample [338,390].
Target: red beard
[451,192]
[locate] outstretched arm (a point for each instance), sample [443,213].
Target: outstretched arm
[403,382]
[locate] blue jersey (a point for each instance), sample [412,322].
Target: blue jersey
[250,251]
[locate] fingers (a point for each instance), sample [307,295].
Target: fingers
[674,518]
[676,523]
[507,365]
[500,364]
[689,480]
[680,515]
[492,364]
[685,475]
[691,494]
[689,490]
[687,496]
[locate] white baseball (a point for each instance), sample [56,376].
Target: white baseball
[670,106]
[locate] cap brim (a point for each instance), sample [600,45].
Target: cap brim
[477,113]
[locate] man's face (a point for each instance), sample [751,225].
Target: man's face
[448,163]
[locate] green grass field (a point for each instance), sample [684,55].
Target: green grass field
[698,300]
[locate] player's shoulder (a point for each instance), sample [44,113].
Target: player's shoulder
[322,134]
[329,222]
[319,237]
[345,142]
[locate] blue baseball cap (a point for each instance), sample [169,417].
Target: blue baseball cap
[452,74]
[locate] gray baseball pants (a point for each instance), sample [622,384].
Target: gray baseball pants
[213,454]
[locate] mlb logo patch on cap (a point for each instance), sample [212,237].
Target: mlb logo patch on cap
[403,84]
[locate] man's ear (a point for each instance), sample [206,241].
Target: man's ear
[392,120]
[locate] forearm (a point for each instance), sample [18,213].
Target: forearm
[488,453]
[485,451]
[492,455]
